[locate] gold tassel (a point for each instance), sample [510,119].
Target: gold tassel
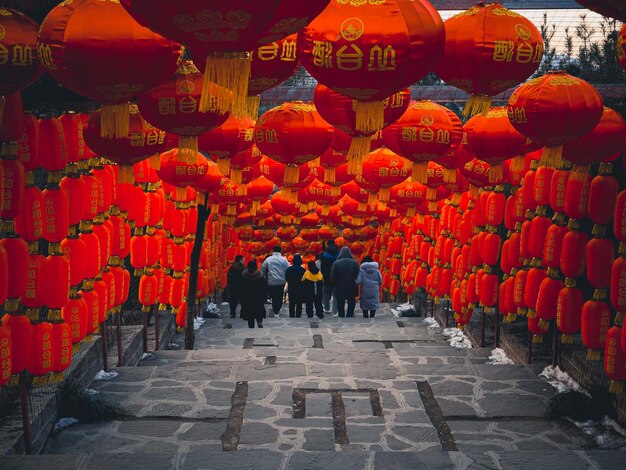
[360,147]
[223,164]
[215,208]
[242,190]
[567,339]
[593,355]
[518,163]
[496,173]
[473,191]
[537,339]
[384,194]
[235,175]
[316,162]
[362,206]
[292,174]
[410,212]
[181,194]
[449,175]
[579,173]
[334,191]
[255,207]
[325,210]
[329,175]
[616,387]
[155,162]
[188,149]
[252,103]
[372,199]
[393,212]
[114,120]
[290,195]
[420,172]
[230,72]
[477,104]
[432,206]
[431,194]
[231,209]
[370,116]
[285,219]
[552,156]
[126,174]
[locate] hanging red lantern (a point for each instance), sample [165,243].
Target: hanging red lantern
[259,190]
[621,47]
[12,187]
[173,106]
[619,219]
[75,315]
[107,74]
[595,323]
[534,278]
[602,197]
[41,349]
[148,290]
[547,300]
[568,312]
[16,251]
[277,173]
[368,51]
[599,255]
[426,131]
[572,259]
[577,195]
[5,355]
[385,169]
[615,359]
[553,109]
[181,173]
[240,162]
[226,141]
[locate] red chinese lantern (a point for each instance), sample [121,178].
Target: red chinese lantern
[225,33]
[553,109]
[173,107]
[75,315]
[488,50]
[568,312]
[384,169]
[182,173]
[16,251]
[148,290]
[41,349]
[89,61]
[595,323]
[426,131]
[340,111]
[547,300]
[619,220]
[242,161]
[226,141]
[277,173]
[599,256]
[5,355]
[618,282]
[12,187]
[20,64]
[370,50]
[602,197]
[572,259]
[259,190]
[534,278]
[292,134]
[615,359]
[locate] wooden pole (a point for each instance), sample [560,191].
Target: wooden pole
[28,434]
[157,331]
[118,334]
[105,346]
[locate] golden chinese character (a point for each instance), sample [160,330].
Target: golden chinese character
[188,105]
[350,60]
[443,136]
[524,53]
[269,52]
[248,135]
[288,53]
[322,54]
[137,139]
[22,55]
[397,100]
[167,106]
[44,54]
[409,134]
[4,54]
[427,135]
[503,51]
[271,136]
[538,53]
[382,59]
[383,172]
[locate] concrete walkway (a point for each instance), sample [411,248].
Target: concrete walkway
[383,393]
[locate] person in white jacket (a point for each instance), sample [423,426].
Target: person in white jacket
[274,269]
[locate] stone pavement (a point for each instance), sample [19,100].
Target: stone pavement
[382,393]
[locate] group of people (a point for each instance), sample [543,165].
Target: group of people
[334,275]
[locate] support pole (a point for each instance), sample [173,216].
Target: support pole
[529,358]
[497,328]
[483,324]
[105,345]
[556,346]
[157,330]
[28,434]
[118,334]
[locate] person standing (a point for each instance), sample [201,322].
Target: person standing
[343,280]
[293,275]
[253,289]
[312,289]
[327,258]
[234,280]
[370,280]
[274,268]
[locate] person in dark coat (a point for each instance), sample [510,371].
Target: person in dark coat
[343,280]
[327,258]
[293,275]
[253,292]
[234,279]
[312,288]
[370,280]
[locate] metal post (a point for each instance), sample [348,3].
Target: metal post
[556,347]
[144,331]
[497,328]
[105,347]
[28,434]
[157,331]
[118,334]
[529,358]
[483,322]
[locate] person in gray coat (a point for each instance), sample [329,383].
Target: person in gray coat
[342,277]
[370,280]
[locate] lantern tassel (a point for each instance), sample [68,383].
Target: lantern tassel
[518,163]
[579,173]
[181,194]
[253,103]
[420,172]
[223,164]
[496,173]
[360,147]
[372,199]
[335,191]
[329,175]
[410,212]
[187,149]
[255,207]
[236,175]
[449,175]
[231,72]
[370,116]
[231,209]
[477,104]
[292,175]
[242,190]
[552,156]
[384,195]
[126,174]
[155,162]
[362,207]
[114,120]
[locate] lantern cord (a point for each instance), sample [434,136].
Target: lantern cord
[359,149]
[420,172]
[188,149]
[477,104]
[330,175]
[2,102]
[114,121]
[236,175]
[552,156]
[231,73]
[496,173]
[155,161]
[579,173]
[292,175]
[252,103]
[449,175]
[518,163]
[370,116]
[223,164]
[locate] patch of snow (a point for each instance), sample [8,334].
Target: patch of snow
[562,381]
[147,356]
[225,303]
[172,346]
[102,375]
[607,434]
[498,356]
[457,338]
[198,322]
[405,307]
[91,391]
[431,322]
[62,424]
[395,312]
[212,308]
